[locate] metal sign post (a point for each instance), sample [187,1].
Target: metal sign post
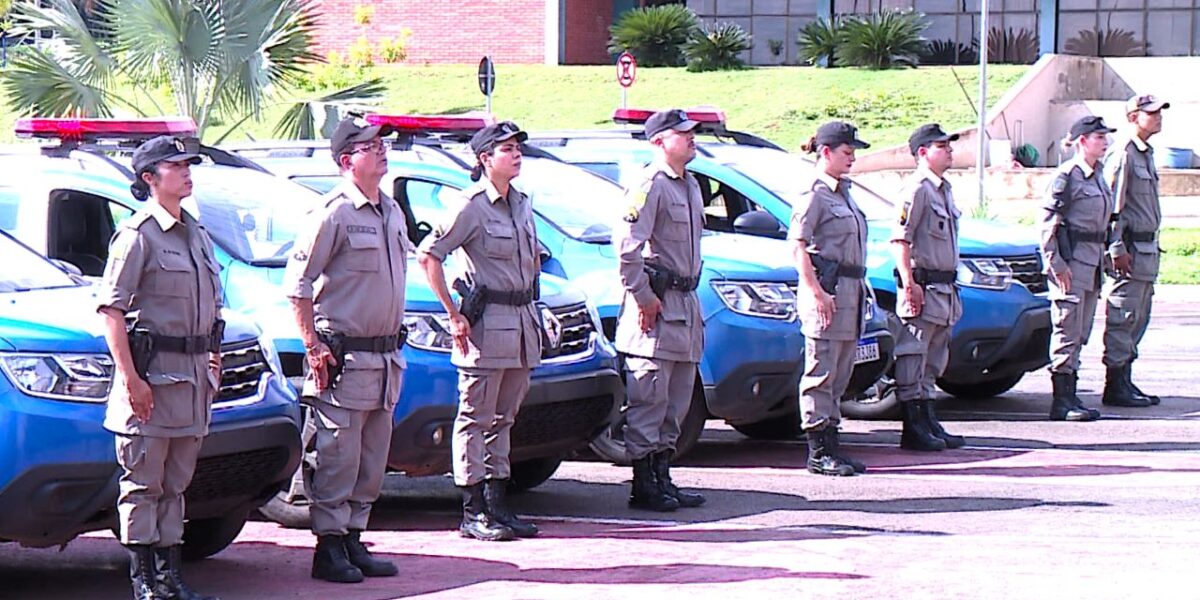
[487,80]
[626,75]
[981,158]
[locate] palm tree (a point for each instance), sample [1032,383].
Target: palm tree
[219,58]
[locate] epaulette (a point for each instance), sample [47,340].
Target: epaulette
[136,220]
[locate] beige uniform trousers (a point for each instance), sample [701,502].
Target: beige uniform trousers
[350,462]
[659,392]
[827,368]
[156,472]
[488,401]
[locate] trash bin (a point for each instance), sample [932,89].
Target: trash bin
[1177,158]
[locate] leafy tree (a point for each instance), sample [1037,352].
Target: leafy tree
[718,48]
[882,40]
[818,41]
[655,35]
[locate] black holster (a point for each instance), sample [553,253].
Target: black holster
[472,299]
[334,342]
[663,279]
[141,347]
[1066,246]
[827,272]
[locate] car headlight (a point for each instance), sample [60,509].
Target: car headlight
[773,300]
[986,273]
[429,331]
[78,377]
[869,306]
[271,353]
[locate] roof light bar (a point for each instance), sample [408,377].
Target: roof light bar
[638,116]
[464,123]
[103,129]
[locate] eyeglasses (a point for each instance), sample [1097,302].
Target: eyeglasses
[376,146]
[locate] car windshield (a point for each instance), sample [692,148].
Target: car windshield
[777,170]
[25,269]
[322,184]
[578,202]
[252,216]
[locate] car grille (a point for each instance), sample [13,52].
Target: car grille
[1027,270]
[577,332]
[538,424]
[236,475]
[242,367]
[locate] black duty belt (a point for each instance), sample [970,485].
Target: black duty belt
[1096,237]
[508,297]
[662,278]
[195,344]
[851,271]
[383,343]
[1143,236]
[931,276]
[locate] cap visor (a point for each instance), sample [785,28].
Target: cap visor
[520,135]
[1155,106]
[369,133]
[861,145]
[190,157]
[687,125]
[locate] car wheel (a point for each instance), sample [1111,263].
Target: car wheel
[980,390]
[782,427]
[529,474]
[610,444]
[203,538]
[877,403]
[287,510]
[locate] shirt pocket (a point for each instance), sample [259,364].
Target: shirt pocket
[940,221]
[364,253]
[500,241]
[501,336]
[174,275]
[678,225]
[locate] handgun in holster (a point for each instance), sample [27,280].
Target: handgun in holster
[216,335]
[827,272]
[473,299]
[141,348]
[334,342]
[1066,246]
[660,279]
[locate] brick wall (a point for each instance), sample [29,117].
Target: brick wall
[586,35]
[443,31]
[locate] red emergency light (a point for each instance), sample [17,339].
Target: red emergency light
[97,129]
[638,116]
[464,123]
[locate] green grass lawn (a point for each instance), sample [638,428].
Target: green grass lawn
[783,104]
[1181,256]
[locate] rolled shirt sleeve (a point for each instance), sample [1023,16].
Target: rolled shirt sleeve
[912,211]
[313,250]
[630,236]
[123,273]
[805,215]
[459,229]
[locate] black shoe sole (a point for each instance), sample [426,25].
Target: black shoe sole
[838,473]
[350,579]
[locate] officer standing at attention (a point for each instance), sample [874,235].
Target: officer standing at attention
[1130,172]
[925,243]
[659,330]
[345,280]
[161,279]
[828,235]
[1074,234]
[497,332]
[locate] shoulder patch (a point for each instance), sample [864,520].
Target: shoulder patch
[637,201]
[1060,183]
[904,212]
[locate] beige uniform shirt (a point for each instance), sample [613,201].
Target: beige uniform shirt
[499,250]
[162,272]
[928,222]
[663,224]
[351,259]
[1079,199]
[1130,172]
[831,225]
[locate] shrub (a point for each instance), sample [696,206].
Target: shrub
[949,52]
[362,52]
[1015,48]
[718,48]
[818,41]
[1105,42]
[396,49]
[883,40]
[655,35]
[776,47]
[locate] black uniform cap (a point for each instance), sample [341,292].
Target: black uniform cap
[929,133]
[836,133]
[165,148]
[668,119]
[491,136]
[354,130]
[1089,124]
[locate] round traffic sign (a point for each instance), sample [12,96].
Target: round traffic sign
[487,76]
[626,69]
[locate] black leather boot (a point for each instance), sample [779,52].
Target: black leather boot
[834,447]
[1118,392]
[1137,391]
[661,463]
[330,562]
[1079,401]
[168,564]
[820,460]
[645,492]
[495,493]
[361,557]
[1066,407]
[142,572]
[476,522]
[935,426]
[916,434]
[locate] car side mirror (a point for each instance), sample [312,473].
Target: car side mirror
[758,222]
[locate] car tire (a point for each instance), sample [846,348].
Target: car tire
[203,538]
[877,403]
[782,427]
[980,390]
[610,444]
[290,512]
[528,474]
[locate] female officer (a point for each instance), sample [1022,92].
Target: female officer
[1075,232]
[828,235]
[495,348]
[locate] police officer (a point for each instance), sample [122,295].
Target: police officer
[497,333]
[161,280]
[1130,172]
[345,279]
[1074,234]
[925,243]
[828,235]
[659,330]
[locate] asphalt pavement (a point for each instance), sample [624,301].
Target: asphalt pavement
[1029,509]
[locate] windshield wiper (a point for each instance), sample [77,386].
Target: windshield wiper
[267,262]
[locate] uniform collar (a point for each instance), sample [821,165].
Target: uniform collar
[824,178]
[489,188]
[925,173]
[660,164]
[351,191]
[1141,144]
[1083,166]
[164,219]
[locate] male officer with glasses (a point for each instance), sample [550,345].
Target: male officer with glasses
[1129,170]
[345,278]
[660,330]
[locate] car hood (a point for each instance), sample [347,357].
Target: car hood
[733,256]
[976,237]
